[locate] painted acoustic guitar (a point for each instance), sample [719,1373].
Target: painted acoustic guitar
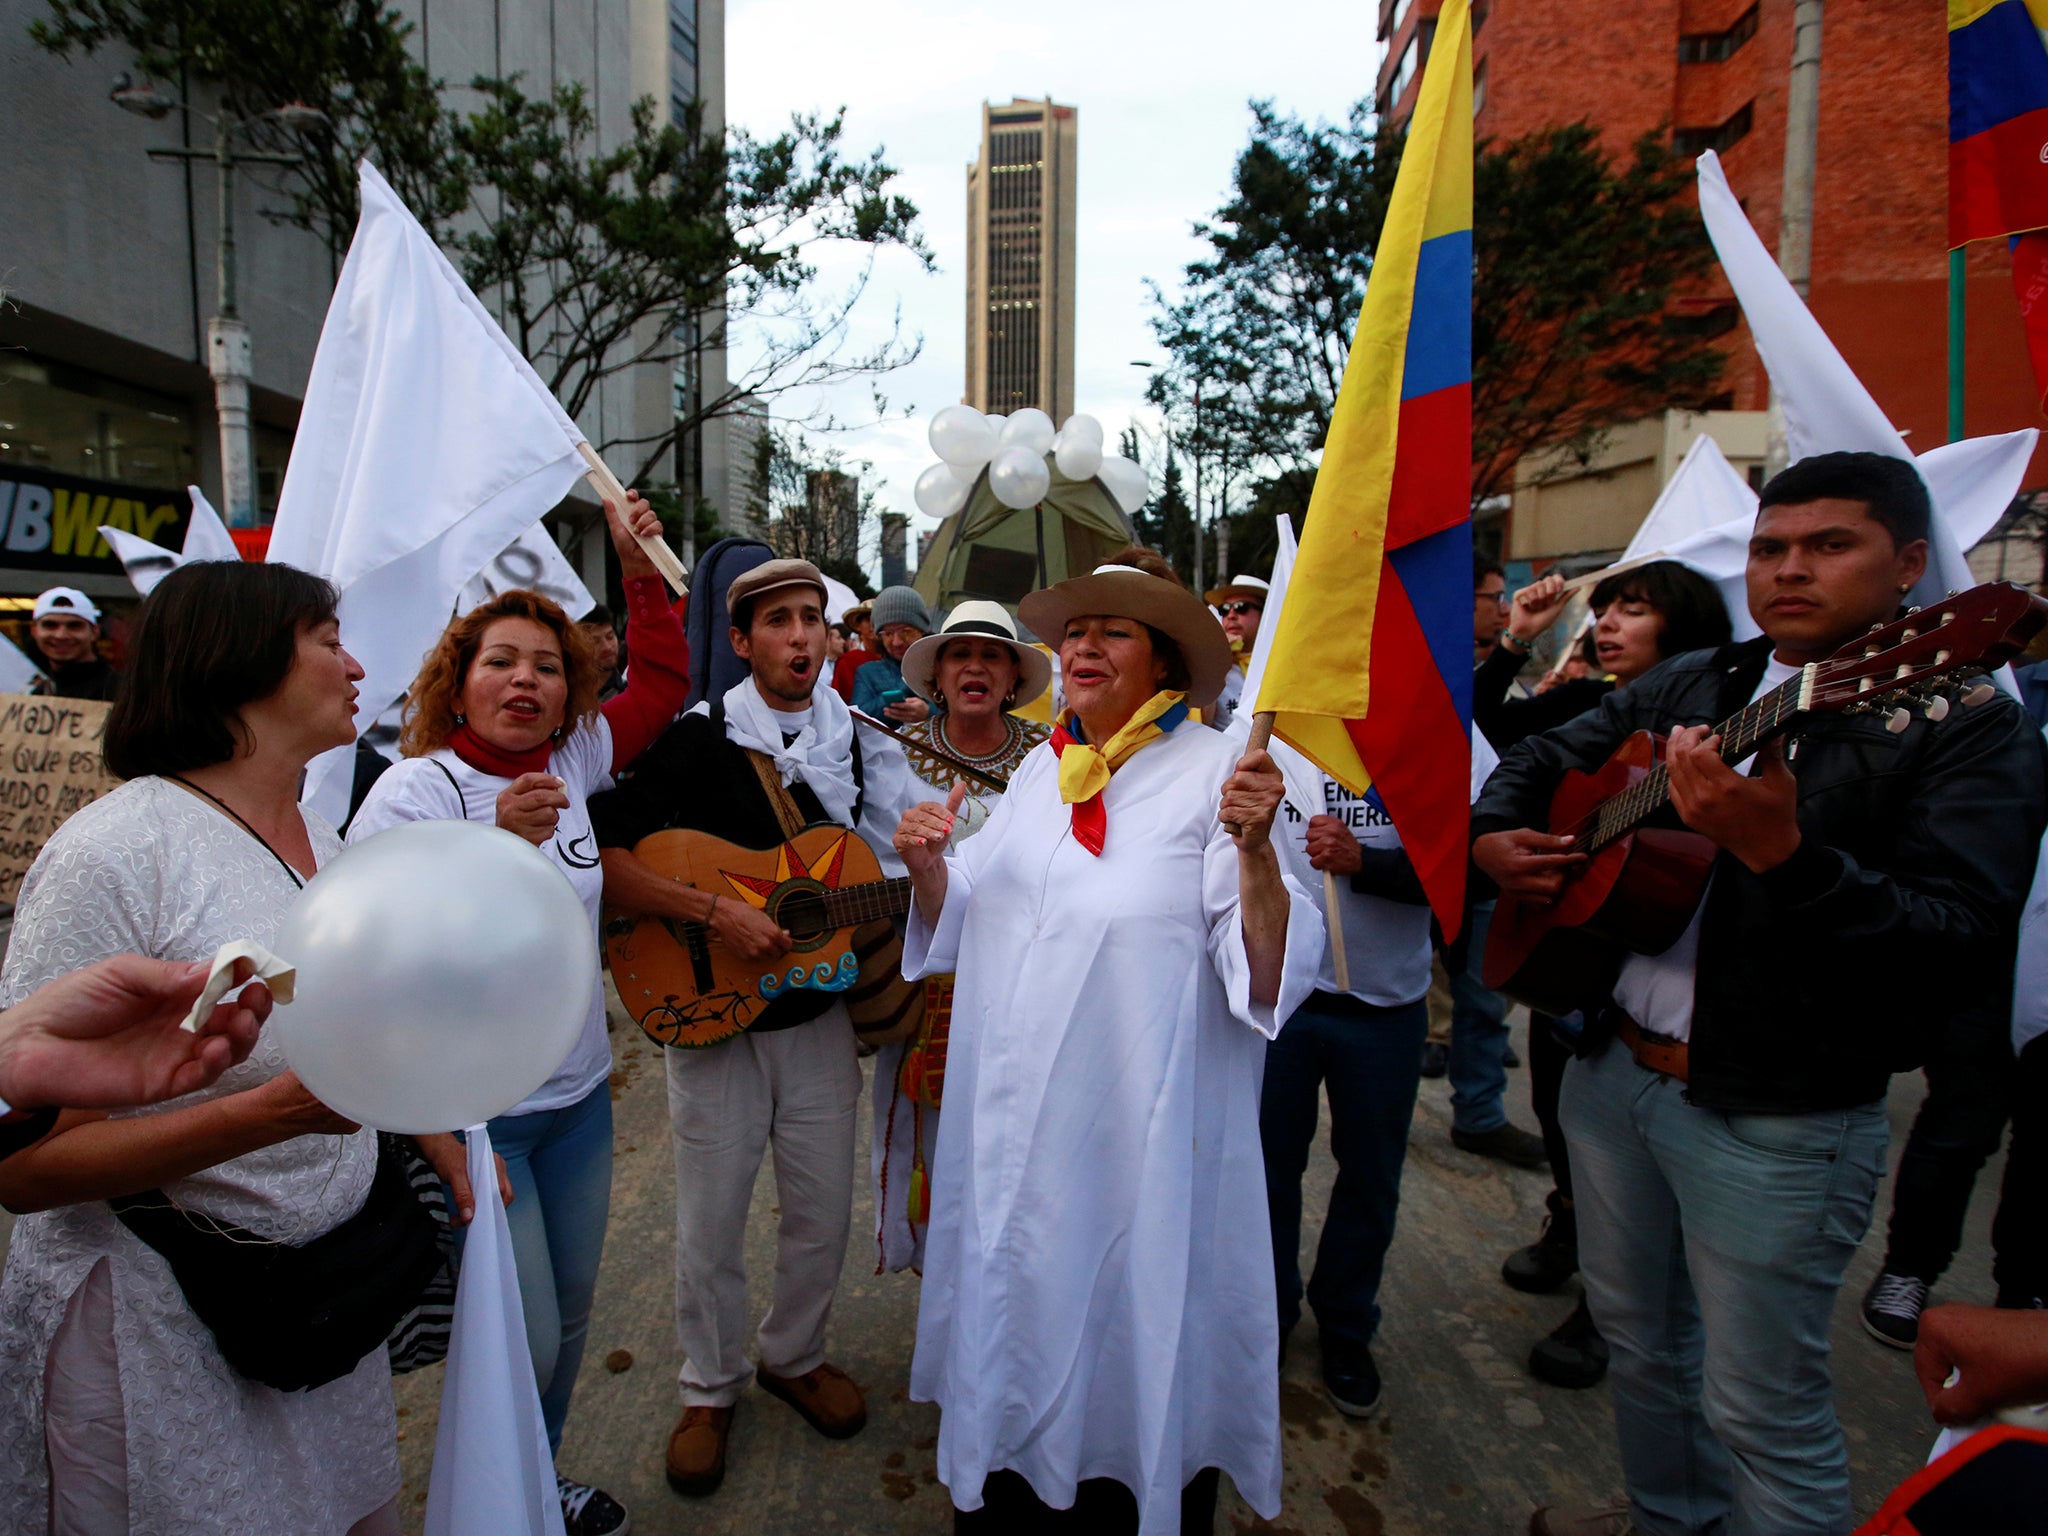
[1640,885]
[680,982]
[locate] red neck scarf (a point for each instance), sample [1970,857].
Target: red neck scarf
[485,758]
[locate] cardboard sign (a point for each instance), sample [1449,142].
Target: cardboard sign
[49,767]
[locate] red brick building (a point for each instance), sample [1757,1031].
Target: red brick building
[1714,73]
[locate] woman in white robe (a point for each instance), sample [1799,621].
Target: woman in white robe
[1098,1293]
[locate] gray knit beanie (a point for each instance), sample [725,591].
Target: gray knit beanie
[901,605]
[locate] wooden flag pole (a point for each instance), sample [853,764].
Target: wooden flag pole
[1594,578]
[1340,962]
[607,486]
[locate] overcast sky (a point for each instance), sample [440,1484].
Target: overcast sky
[1161,89]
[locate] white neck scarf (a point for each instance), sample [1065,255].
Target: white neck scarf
[822,754]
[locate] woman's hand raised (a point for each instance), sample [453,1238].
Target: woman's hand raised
[921,835]
[1536,607]
[629,524]
[1251,798]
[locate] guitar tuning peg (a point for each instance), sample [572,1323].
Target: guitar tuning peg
[1898,720]
[1983,693]
[1913,610]
[1937,708]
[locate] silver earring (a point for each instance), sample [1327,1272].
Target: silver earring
[460,718]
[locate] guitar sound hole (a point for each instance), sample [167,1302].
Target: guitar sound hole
[802,913]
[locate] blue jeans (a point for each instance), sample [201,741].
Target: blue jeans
[1371,1058]
[1712,1246]
[560,1164]
[1479,1036]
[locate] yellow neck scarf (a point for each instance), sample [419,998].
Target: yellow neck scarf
[1085,768]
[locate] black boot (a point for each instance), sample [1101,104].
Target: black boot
[1552,1259]
[1574,1356]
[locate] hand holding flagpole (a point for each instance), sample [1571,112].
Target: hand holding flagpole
[653,545]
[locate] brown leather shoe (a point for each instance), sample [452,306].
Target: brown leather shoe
[828,1398]
[696,1450]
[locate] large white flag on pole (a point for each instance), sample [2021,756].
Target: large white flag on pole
[1828,410]
[493,1474]
[426,445]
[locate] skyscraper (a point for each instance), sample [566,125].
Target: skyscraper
[1020,259]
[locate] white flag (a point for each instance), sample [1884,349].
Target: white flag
[493,1474]
[425,446]
[17,673]
[535,563]
[1826,407]
[206,538]
[1703,492]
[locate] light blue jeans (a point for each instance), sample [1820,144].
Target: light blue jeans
[560,1164]
[1479,1038]
[1712,1246]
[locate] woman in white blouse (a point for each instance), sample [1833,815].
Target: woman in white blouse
[117,1410]
[1095,1327]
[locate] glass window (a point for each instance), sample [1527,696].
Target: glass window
[1713,47]
[76,422]
[1690,142]
[1403,73]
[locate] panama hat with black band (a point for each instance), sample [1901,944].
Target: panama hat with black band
[1247,588]
[1124,592]
[987,620]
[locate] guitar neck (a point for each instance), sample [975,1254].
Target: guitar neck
[1741,734]
[853,905]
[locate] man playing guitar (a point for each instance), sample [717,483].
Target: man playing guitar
[1728,1144]
[792,1079]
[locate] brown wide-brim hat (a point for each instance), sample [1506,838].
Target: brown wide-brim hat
[983,620]
[1120,591]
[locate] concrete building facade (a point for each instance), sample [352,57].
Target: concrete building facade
[108,264]
[1020,259]
[1713,74]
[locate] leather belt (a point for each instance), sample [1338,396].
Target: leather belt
[1654,1053]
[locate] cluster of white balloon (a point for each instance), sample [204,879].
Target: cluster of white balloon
[1015,449]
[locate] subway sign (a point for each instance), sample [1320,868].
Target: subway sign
[51,522]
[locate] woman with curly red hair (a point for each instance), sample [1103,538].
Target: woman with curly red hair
[503,725]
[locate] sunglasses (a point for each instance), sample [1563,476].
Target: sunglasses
[1232,610]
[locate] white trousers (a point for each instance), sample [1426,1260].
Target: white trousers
[797,1090]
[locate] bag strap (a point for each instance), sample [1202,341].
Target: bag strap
[461,804]
[779,797]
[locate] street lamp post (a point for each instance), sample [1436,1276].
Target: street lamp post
[229,351]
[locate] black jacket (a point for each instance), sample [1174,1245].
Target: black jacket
[1505,721]
[93,679]
[694,776]
[1820,978]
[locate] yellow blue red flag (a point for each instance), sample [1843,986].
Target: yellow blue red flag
[1371,668]
[1997,118]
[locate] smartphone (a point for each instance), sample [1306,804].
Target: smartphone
[894,696]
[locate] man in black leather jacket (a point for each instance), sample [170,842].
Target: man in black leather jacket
[1728,1147]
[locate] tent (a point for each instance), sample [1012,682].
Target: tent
[987,550]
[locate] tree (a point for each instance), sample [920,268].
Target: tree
[1167,522]
[597,260]
[1576,263]
[814,504]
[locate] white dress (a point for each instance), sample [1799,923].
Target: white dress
[153,869]
[1098,1285]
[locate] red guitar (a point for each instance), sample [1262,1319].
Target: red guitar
[1639,887]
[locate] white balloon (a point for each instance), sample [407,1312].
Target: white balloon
[1083,426]
[962,437]
[1127,484]
[445,971]
[1077,456]
[941,491]
[1029,428]
[1019,477]
[995,422]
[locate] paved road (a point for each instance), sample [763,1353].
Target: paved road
[1467,1442]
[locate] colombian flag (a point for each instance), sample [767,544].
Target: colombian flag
[1371,668]
[1997,118]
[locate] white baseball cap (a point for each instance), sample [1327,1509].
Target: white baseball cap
[64,600]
